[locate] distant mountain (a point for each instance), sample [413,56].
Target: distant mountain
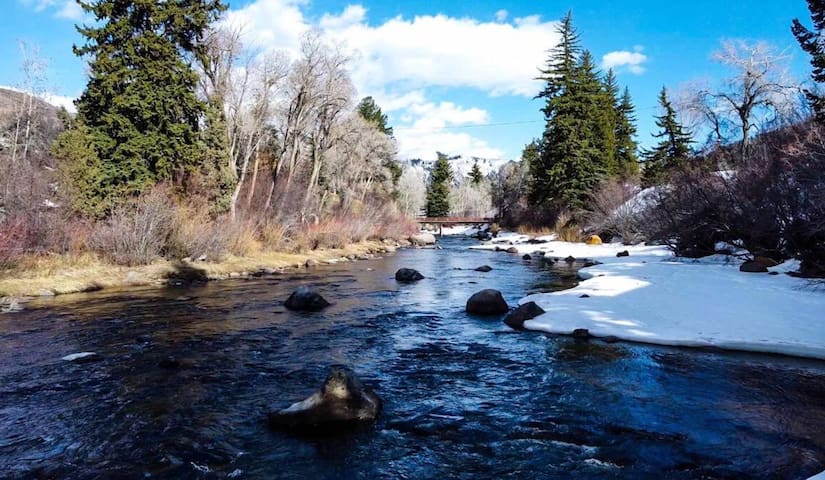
[461,166]
[12,102]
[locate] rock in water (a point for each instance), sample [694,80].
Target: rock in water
[487,302]
[484,268]
[307,300]
[517,317]
[623,253]
[526,256]
[753,267]
[512,250]
[342,403]
[82,357]
[408,275]
[422,239]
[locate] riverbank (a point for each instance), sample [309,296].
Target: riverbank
[650,296]
[51,275]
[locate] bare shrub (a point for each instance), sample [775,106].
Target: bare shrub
[136,233]
[616,209]
[195,235]
[566,228]
[13,240]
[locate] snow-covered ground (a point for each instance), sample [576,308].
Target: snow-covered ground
[460,230]
[653,297]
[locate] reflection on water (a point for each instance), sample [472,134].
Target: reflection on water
[464,397]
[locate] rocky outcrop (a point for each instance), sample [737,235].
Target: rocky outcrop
[306,300]
[422,239]
[517,317]
[408,275]
[342,403]
[487,302]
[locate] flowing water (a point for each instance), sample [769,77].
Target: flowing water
[463,397]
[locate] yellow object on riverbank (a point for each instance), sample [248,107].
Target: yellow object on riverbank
[593,240]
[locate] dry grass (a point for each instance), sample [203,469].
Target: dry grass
[60,274]
[567,229]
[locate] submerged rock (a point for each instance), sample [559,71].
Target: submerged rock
[753,267]
[408,275]
[484,268]
[306,299]
[487,302]
[342,403]
[517,317]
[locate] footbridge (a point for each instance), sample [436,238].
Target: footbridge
[441,221]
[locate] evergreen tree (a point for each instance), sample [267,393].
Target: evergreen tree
[372,113]
[140,105]
[577,144]
[811,42]
[476,177]
[672,150]
[626,146]
[438,202]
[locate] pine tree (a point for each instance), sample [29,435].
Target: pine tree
[673,149]
[372,113]
[626,146]
[811,42]
[577,141]
[476,177]
[140,105]
[438,202]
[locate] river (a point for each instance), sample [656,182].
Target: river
[464,397]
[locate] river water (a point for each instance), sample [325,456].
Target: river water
[464,397]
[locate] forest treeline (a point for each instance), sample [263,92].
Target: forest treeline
[188,143]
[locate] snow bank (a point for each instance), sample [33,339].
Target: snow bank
[460,230]
[653,297]
[820,476]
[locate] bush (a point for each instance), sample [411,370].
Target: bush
[137,233]
[13,241]
[195,235]
[617,209]
[566,228]
[772,204]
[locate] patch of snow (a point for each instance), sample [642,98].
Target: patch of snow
[819,476]
[460,230]
[652,297]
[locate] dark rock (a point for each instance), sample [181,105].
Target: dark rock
[484,268]
[773,273]
[624,253]
[590,263]
[536,241]
[311,262]
[570,259]
[517,317]
[526,256]
[408,275]
[584,295]
[306,299]
[766,261]
[487,302]
[610,339]
[342,403]
[169,362]
[753,267]
[512,250]
[581,333]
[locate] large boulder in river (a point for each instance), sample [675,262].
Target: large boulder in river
[342,403]
[517,317]
[422,239]
[306,300]
[408,275]
[753,267]
[484,268]
[487,302]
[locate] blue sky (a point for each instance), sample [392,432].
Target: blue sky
[450,73]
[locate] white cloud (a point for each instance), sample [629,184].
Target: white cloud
[67,9]
[623,59]
[501,15]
